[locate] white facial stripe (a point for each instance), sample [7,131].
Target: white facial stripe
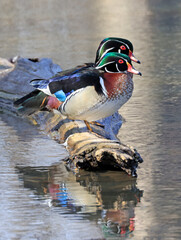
[104,54]
[103,45]
[116,41]
[117,68]
[104,65]
[98,67]
[108,70]
[103,86]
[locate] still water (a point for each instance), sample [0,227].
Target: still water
[39,197]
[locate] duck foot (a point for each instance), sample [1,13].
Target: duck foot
[90,129]
[97,123]
[88,126]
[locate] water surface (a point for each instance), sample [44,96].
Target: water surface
[40,198]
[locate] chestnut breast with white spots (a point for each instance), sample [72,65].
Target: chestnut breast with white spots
[118,85]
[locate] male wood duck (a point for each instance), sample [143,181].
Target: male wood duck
[92,93]
[37,100]
[113,44]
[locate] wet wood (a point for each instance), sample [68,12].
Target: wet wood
[91,151]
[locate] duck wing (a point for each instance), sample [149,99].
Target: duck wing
[64,83]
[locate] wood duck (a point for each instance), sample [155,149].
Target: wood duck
[92,93]
[37,100]
[113,44]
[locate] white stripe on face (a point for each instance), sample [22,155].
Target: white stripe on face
[104,54]
[104,65]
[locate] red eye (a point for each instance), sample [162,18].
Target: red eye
[123,47]
[120,61]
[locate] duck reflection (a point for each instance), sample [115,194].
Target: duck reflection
[117,195]
[109,198]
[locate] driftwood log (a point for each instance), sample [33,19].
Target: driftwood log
[86,150]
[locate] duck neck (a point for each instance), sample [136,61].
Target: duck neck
[118,83]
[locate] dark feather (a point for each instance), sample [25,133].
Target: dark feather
[67,81]
[72,79]
[28,96]
[31,103]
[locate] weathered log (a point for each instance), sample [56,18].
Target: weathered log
[92,151]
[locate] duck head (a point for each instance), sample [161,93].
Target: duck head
[113,44]
[116,63]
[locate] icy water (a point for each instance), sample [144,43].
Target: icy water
[39,198]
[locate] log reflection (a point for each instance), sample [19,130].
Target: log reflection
[112,195]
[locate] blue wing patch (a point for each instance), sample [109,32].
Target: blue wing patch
[61,95]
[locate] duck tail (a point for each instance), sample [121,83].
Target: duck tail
[36,101]
[31,103]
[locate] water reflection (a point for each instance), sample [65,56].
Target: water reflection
[69,34]
[108,198]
